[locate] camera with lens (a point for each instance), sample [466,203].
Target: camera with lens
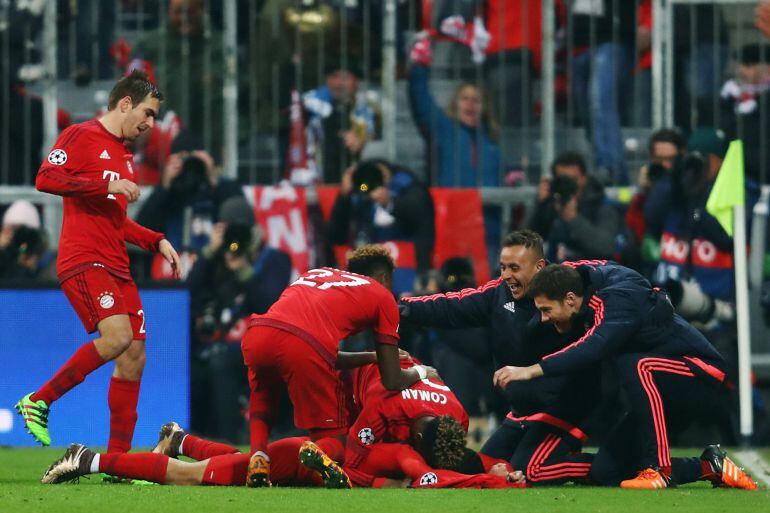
[563,189]
[694,305]
[192,178]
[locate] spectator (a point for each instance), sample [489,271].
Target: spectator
[573,214]
[339,121]
[762,17]
[745,103]
[185,204]
[188,62]
[464,137]
[236,275]
[701,52]
[666,146]
[696,259]
[465,367]
[380,201]
[513,57]
[603,34]
[19,213]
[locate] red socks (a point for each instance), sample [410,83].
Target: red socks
[122,398]
[85,360]
[200,449]
[146,466]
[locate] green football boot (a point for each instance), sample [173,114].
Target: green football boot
[35,414]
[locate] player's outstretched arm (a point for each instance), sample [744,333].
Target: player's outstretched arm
[351,360]
[392,375]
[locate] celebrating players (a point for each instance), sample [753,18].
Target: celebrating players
[91,168]
[296,342]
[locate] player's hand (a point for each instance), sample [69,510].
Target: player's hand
[169,253]
[517,476]
[125,187]
[508,374]
[432,373]
[498,469]
[404,355]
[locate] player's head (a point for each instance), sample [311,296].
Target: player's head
[558,293]
[374,261]
[135,101]
[439,440]
[520,259]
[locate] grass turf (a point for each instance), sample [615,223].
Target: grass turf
[20,490]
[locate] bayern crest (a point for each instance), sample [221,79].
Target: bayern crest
[106,300]
[366,436]
[57,157]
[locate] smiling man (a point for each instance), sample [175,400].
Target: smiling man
[671,375]
[542,436]
[91,168]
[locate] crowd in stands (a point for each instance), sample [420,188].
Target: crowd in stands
[664,230]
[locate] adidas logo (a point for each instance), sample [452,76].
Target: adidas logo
[510,306]
[105,155]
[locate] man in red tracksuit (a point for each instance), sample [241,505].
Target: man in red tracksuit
[90,167]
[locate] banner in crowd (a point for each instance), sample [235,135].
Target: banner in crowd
[281,211]
[460,229]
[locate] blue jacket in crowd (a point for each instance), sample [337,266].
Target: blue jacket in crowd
[467,156]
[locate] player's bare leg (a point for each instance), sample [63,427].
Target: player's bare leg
[116,335]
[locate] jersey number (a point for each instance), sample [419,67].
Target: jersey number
[309,280]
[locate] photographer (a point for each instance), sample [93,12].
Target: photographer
[696,259]
[184,205]
[573,214]
[20,259]
[236,275]
[379,202]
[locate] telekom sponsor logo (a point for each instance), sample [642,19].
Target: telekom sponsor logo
[705,254]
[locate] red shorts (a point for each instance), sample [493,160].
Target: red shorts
[315,388]
[95,294]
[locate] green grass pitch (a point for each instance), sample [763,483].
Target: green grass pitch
[20,491]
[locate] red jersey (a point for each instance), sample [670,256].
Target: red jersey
[387,416]
[399,461]
[327,305]
[95,227]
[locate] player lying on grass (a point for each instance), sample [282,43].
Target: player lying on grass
[222,464]
[405,433]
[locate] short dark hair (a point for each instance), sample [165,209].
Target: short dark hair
[443,442]
[570,158]
[371,260]
[527,238]
[668,135]
[136,85]
[554,281]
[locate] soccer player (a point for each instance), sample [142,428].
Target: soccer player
[670,373]
[296,342]
[91,168]
[543,435]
